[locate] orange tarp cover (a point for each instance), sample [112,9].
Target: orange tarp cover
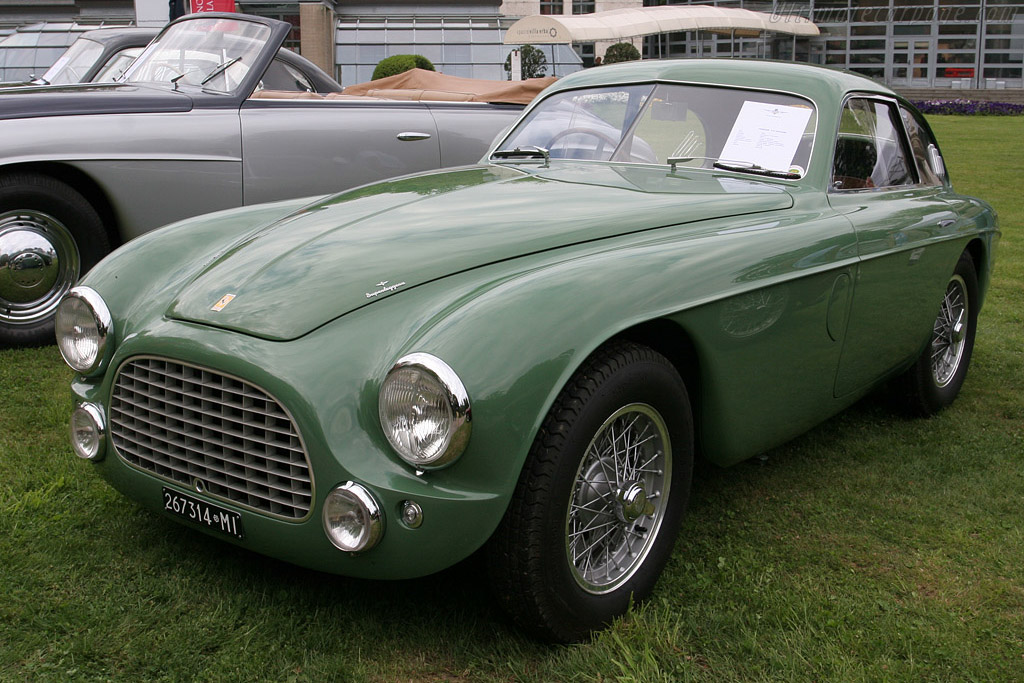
[437,86]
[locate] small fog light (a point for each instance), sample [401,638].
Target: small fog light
[352,518]
[88,432]
[412,514]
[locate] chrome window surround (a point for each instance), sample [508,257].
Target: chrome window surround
[217,434]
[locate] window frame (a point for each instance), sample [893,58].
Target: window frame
[903,140]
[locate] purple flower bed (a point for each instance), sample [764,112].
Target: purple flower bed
[969,107]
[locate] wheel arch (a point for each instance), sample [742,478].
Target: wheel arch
[82,183]
[673,342]
[979,254]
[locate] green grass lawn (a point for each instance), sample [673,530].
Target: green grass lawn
[872,548]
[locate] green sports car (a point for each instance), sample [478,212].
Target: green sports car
[524,356]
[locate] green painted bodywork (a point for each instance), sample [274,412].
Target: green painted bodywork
[781,302]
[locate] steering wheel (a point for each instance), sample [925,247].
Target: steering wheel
[600,135]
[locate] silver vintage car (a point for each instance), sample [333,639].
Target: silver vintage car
[211,116]
[96,56]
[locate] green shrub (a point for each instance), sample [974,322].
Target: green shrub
[396,64]
[621,52]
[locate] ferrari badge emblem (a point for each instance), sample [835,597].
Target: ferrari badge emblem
[224,301]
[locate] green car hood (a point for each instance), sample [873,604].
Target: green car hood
[370,243]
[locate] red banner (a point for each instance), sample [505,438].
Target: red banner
[213,5]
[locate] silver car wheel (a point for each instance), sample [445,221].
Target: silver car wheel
[950,332]
[39,264]
[618,498]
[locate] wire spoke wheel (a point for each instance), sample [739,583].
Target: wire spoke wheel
[950,333]
[593,520]
[935,378]
[618,498]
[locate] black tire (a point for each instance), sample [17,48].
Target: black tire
[49,236]
[935,379]
[538,559]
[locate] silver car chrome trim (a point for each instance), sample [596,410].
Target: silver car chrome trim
[373,512]
[95,414]
[458,401]
[39,264]
[104,327]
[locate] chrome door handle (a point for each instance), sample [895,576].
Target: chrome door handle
[410,135]
[947,223]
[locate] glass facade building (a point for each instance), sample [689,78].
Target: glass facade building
[904,43]
[468,46]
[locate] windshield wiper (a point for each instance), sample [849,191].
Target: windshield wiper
[738,166]
[220,69]
[747,167]
[529,152]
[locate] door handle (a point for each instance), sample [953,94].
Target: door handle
[946,223]
[411,135]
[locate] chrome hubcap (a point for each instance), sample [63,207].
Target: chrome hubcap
[618,499]
[39,263]
[950,332]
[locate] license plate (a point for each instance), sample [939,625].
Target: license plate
[201,512]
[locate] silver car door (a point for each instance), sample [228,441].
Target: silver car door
[298,147]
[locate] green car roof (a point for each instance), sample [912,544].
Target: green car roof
[816,82]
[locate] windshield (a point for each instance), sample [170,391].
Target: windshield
[116,65]
[213,53]
[74,63]
[685,125]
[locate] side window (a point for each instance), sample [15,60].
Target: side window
[926,152]
[870,151]
[281,76]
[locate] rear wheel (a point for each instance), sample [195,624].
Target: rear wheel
[49,236]
[595,513]
[934,381]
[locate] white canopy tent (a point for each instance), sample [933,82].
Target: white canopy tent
[624,24]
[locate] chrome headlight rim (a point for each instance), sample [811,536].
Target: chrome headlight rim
[457,398]
[94,414]
[370,509]
[104,328]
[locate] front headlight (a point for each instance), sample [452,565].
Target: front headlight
[352,518]
[88,432]
[424,411]
[83,325]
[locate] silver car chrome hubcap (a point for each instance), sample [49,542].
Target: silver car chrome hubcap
[39,263]
[618,498]
[950,333]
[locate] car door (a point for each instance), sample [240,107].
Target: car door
[300,147]
[899,214]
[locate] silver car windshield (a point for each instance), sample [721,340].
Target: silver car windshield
[74,63]
[684,125]
[214,53]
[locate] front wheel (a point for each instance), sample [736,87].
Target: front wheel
[934,380]
[595,513]
[49,236]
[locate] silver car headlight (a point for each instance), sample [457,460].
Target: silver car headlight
[424,411]
[83,326]
[88,432]
[352,518]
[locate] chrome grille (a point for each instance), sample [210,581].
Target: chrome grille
[188,424]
